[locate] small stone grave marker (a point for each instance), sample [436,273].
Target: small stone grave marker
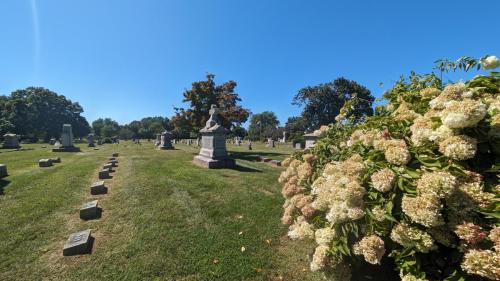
[275,163]
[115,154]
[3,171]
[89,210]
[44,163]
[78,243]
[55,160]
[112,163]
[104,174]
[113,159]
[98,188]
[109,167]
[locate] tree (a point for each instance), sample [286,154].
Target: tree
[37,112]
[262,125]
[322,103]
[201,96]
[106,128]
[238,131]
[295,128]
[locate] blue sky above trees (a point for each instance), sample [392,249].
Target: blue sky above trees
[130,59]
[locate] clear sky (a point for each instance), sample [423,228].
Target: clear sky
[129,59]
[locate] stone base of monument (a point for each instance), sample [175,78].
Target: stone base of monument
[89,210]
[3,171]
[210,163]
[66,149]
[78,243]
[165,147]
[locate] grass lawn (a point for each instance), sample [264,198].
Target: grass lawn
[163,218]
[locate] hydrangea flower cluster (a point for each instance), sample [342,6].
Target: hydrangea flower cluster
[419,178]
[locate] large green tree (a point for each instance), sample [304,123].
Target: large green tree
[322,103]
[201,96]
[106,127]
[263,125]
[39,113]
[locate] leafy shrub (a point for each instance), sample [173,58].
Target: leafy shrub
[415,187]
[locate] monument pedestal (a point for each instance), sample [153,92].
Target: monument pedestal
[66,149]
[207,162]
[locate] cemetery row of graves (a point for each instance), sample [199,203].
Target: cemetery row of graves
[157,212]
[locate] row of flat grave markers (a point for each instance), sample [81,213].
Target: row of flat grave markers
[80,243]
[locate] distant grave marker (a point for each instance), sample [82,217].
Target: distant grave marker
[43,163]
[78,243]
[55,159]
[66,141]
[166,140]
[11,141]
[90,140]
[104,174]
[3,171]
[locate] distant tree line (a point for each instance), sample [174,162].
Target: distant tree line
[38,113]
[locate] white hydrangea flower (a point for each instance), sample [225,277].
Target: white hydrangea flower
[490,62]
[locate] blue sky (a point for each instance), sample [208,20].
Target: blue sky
[129,59]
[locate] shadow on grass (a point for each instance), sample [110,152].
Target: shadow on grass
[3,184]
[245,169]
[253,156]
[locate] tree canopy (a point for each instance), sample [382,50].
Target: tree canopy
[36,112]
[263,125]
[200,97]
[322,103]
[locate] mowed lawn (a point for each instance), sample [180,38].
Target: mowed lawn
[163,218]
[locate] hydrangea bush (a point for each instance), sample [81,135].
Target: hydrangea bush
[414,187]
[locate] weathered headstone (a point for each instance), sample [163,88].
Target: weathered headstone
[44,163]
[166,141]
[98,188]
[310,140]
[298,145]
[113,163]
[109,167]
[3,171]
[11,141]
[89,210]
[249,145]
[213,153]
[275,162]
[158,139]
[66,141]
[55,159]
[115,154]
[90,140]
[78,243]
[52,141]
[283,140]
[103,174]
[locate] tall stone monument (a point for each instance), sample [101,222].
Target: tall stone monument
[310,140]
[166,141]
[10,141]
[90,140]
[158,140]
[213,153]
[66,140]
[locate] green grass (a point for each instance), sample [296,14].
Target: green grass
[163,218]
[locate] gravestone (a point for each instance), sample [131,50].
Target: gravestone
[55,159]
[158,140]
[166,141]
[3,171]
[113,163]
[109,167]
[310,140]
[115,154]
[198,142]
[89,210]
[249,145]
[90,140]
[298,145]
[66,141]
[52,141]
[283,140]
[98,188]
[275,163]
[213,153]
[104,174]
[78,243]
[11,141]
[43,163]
